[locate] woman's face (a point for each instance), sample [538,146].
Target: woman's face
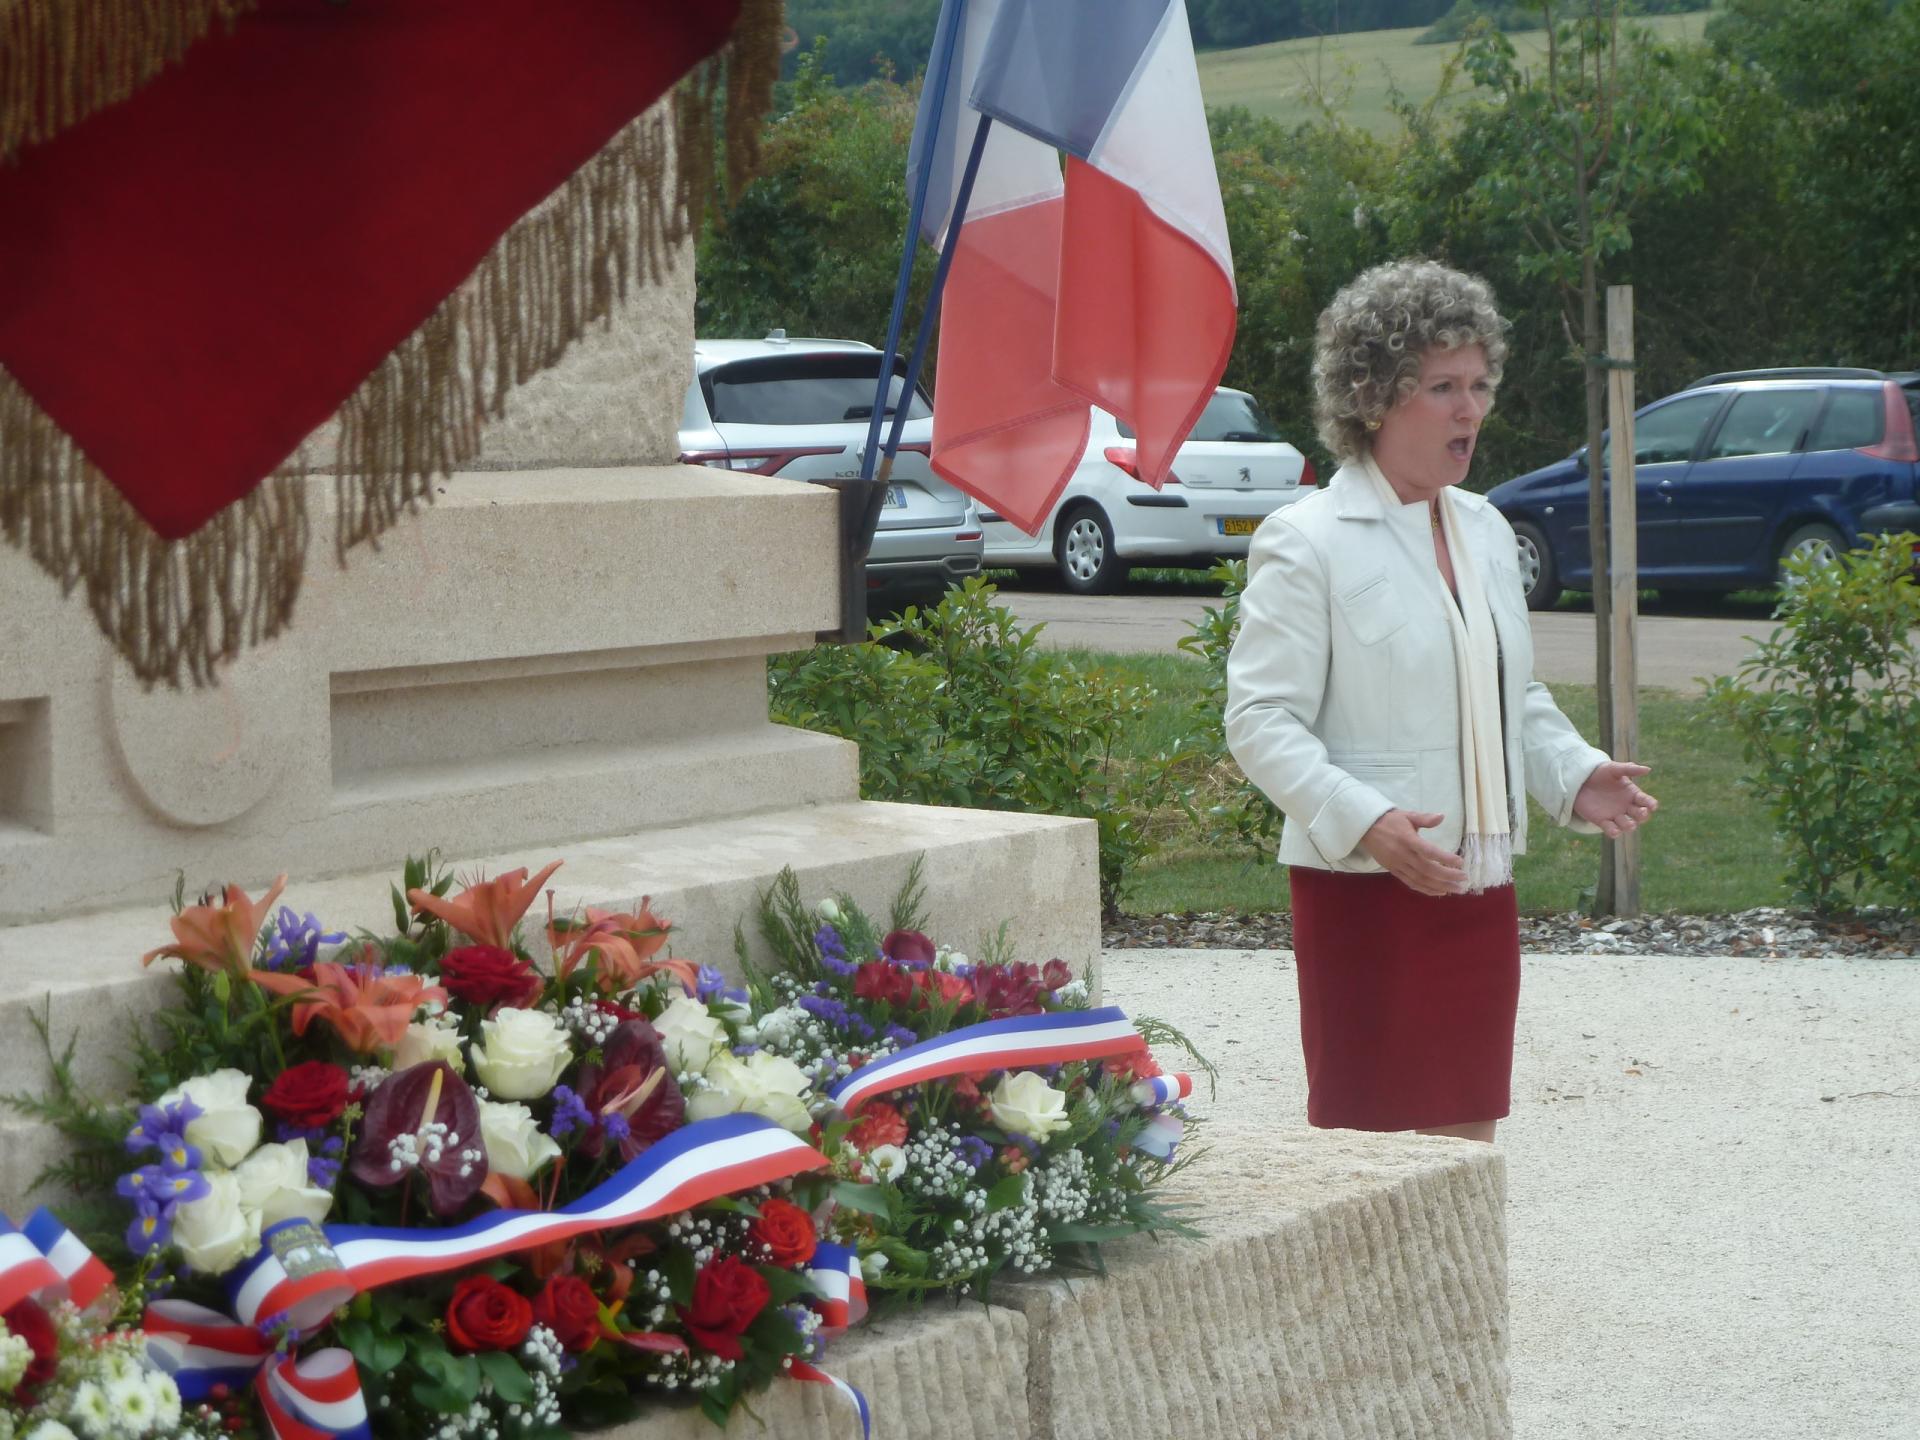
[1425,442]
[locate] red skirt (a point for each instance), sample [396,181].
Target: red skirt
[1406,1001]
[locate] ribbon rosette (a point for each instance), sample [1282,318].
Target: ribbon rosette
[47,1262]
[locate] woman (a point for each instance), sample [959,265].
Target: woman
[1381,694]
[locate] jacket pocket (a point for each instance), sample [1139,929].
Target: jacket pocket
[1393,776]
[1372,609]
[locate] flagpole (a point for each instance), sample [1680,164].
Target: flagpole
[944,48]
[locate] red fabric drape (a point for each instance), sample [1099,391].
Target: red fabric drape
[192,280]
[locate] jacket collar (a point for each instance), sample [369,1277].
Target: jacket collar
[1357,497]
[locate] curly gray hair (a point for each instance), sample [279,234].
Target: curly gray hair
[1368,344]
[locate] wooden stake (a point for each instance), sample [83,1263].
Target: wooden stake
[1624,580]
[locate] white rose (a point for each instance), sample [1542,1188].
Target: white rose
[436,1039]
[274,1186]
[828,911]
[1023,1101]
[516,1145]
[761,1084]
[227,1127]
[889,1162]
[692,1036]
[214,1233]
[521,1054]
[873,1265]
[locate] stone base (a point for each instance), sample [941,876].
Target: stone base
[1348,1287]
[980,867]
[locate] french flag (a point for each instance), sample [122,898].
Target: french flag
[1112,285]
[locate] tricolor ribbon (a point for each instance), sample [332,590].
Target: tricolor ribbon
[801,1370]
[313,1397]
[834,1273]
[1049,1039]
[1161,1090]
[305,1272]
[47,1262]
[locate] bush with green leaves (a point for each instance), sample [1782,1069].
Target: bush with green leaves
[957,704]
[1236,812]
[1828,713]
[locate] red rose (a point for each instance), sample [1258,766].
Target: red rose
[308,1096]
[728,1294]
[879,1124]
[486,1315]
[787,1232]
[32,1324]
[569,1308]
[877,980]
[908,947]
[488,976]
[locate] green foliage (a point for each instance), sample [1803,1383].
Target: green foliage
[959,705]
[1828,713]
[1237,815]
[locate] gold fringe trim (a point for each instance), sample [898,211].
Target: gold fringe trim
[182,608]
[61,60]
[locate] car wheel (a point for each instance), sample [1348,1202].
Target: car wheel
[1084,548]
[1822,544]
[1537,575]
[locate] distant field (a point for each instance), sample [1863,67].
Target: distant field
[1280,78]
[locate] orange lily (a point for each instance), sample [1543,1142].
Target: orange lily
[487,911]
[626,944]
[220,937]
[367,1007]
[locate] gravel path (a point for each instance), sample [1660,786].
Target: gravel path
[1714,1180]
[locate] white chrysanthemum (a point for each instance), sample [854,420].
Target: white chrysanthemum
[116,1364]
[50,1430]
[93,1410]
[132,1403]
[166,1400]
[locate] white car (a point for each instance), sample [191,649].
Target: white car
[1232,473]
[798,408]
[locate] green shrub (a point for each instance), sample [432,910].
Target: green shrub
[958,705]
[1828,713]
[1231,811]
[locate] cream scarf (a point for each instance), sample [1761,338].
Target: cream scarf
[1486,842]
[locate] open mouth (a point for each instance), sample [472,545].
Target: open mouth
[1461,449]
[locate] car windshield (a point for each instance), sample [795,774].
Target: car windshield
[813,389]
[1227,417]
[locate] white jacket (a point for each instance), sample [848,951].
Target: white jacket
[1341,701]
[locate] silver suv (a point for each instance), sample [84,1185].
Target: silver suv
[799,409]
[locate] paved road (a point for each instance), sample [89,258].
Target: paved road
[1711,1180]
[1675,649]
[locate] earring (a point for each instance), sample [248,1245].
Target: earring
[1373,424]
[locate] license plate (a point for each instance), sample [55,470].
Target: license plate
[1238,525]
[896,497]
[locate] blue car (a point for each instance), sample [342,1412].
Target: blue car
[1735,474]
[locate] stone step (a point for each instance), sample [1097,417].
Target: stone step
[83,973]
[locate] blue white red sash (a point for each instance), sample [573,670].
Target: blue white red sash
[835,1273]
[314,1397]
[1022,1040]
[47,1262]
[1162,1089]
[801,1370]
[304,1272]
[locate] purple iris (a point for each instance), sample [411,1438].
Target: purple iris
[295,940]
[833,951]
[569,1113]
[164,1126]
[152,1226]
[712,984]
[157,1192]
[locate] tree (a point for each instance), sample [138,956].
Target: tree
[1591,134]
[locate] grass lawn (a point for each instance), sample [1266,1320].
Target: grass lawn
[1710,849]
[1280,79]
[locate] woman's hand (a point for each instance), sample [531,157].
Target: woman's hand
[1611,799]
[1395,843]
